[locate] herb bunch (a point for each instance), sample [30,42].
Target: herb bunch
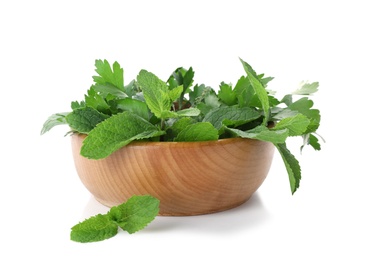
[113,114]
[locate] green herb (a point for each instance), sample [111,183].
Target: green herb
[113,114]
[133,215]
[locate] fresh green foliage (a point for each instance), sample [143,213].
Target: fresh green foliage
[54,120]
[133,215]
[113,114]
[120,130]
[292,166]
[201,131]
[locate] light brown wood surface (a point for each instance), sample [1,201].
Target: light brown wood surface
[189,178]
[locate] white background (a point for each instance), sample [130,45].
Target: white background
[47,54]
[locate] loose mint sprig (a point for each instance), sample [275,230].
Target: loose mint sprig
[133,215]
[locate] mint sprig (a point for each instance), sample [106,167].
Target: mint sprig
[133,215]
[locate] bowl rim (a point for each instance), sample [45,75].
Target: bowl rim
[222,141]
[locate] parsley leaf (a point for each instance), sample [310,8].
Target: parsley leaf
[227,94]
[107,75]
[304,106]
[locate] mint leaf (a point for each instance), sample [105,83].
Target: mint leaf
[107,75]
[304,106]
[116,132]
[83,120]
[306,88]
[108,89]
[192,111]
[175,93]
[283,113]
[54,120]
[231,116]
[135,106]
[244,92]
[227,94]
[181,78]
[258,88]
[292,166]
[188,79]
[156,92]
[202,131]
[262,133]
[133,215]
[296,125]
[178,126]
[96,228]
[136,213]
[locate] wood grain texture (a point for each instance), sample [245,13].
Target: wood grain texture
[189,178]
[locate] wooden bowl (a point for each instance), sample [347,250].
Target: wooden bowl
[189,178]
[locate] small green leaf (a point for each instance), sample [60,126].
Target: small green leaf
[96,101]
[306,88]
[109,89]
[211,101]
[156,92]
[116,132]
[259,89]
[96,228]
[292,166]
[284,113]
[198,94]
[202,131]
[262,133]
[244,92]
[296,125]
[106,75]
[179,125]
[303,106]
[76,104]
[83,120]
[188,79]
[192,111]
[54,120]
[135,106]
[175,93]
[136,213]
[227,94]
[310,139]
[230,116]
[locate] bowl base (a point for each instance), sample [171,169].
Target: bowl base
[168,213]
